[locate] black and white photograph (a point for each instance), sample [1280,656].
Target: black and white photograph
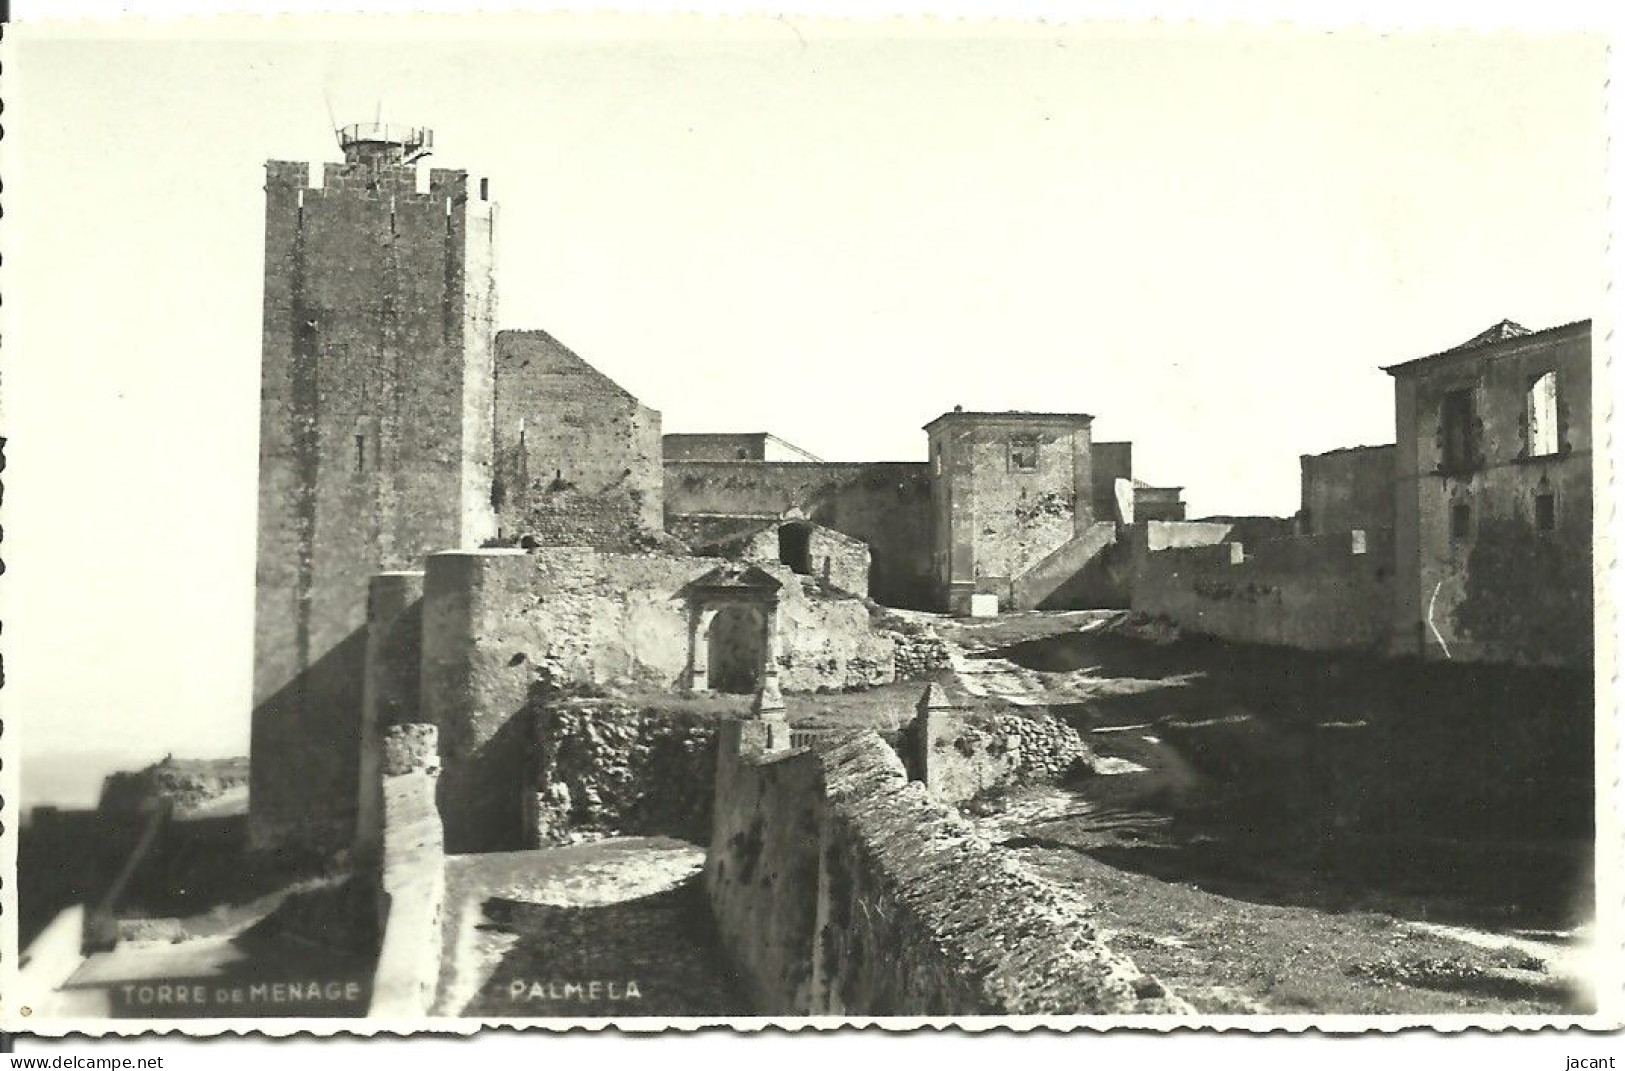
[658,520]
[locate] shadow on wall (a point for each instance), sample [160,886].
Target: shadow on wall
[1524,596]
[479,816]
[1104,582]
[305,755]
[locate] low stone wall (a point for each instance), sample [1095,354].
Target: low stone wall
[1313,592]
[612,765]
[960,752]
[839,887]
[919,652]
[413,885]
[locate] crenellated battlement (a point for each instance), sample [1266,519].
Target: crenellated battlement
[401,181]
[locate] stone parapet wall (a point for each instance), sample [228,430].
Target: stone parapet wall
[841,888]
[413,878]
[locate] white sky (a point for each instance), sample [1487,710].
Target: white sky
[830,232]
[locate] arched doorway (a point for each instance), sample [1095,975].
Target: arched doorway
[734,649]
[795,547]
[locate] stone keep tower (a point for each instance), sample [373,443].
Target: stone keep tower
[375,441]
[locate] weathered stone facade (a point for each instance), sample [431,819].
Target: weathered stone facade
[1493,498]
[618,766]
[833,560]
[1347,489]
[375,443]
[886,504]
[500,624]
[1008,490]
[578,458]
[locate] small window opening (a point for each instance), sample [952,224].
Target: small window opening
[1024,453]
[1460,431]
[795,548]
[1546,512]
[485,189]
[1461,520]
[361,453]
[1542,413]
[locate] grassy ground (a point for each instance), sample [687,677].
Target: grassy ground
[1230,954]
[1298,821]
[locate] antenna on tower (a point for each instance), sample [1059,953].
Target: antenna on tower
[332,120]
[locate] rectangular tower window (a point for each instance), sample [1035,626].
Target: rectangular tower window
[1546,512]
[1460,431]
[1461,521]
[361,453]
[1542,414]
[1023,453]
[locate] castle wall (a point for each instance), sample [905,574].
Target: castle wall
[499,623]
[1311,592]
[1347,489]
[886,504]
[841,888]
[579,458]
[373,451]
[730,446]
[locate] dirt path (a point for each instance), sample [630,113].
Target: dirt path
[616,927]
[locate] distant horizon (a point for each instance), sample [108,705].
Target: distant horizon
[1211,239]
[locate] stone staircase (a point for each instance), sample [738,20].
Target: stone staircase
[1043,585]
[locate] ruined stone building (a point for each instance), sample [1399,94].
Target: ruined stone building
[1467,539]
[401,433]
[1020,506]
[1492,513]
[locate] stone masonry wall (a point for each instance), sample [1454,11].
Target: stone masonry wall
[1499,585]
[619,766]
[498,622]
[1347,489]
[413,878]
[841,888]
[960,752]
[578,458]
[374,451]
[886,504]
[1312,592]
